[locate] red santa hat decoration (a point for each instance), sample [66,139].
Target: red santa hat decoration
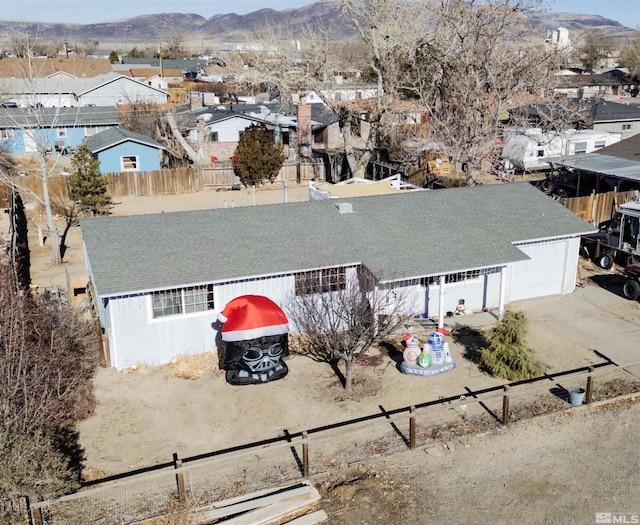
[252,316]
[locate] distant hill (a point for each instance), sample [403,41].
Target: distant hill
[157,28]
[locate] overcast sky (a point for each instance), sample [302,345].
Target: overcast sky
[627,12]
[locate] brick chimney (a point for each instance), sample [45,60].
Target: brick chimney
[303,114]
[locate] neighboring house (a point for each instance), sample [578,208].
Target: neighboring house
[161,280]
[216,132]
[188,67]
[153,76]
[120,150]
[122,90]
[63,91]
[617,118]
[614,167]
[612,82]
[55,129]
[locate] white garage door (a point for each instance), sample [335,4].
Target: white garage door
[542,274]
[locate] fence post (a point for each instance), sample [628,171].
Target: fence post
[305,454]
[35,515]
[412,427]
[589,394]
[505,406]
[177,464]
[27,503]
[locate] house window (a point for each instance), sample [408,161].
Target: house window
[129,163]
[62,133]
[626,127]
[182,301]
[540,153]
[6,134]
[321,281]
[599,144]
[213,136]
[580,147]
[90,131]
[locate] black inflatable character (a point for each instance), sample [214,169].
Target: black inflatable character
[255,337]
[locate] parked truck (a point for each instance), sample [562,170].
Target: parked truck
[619,240]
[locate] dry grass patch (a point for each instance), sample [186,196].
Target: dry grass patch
[195,366]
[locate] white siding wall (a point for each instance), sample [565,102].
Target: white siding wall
[229,130]
[551,270]
[136,337]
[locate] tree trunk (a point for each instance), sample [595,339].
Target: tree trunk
[53,232]
[348,374]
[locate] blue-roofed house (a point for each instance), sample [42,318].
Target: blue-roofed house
[120,150]
[29,130]
[161,280]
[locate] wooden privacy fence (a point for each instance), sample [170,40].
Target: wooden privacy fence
[598,207]
[292,456]
[192,180]
[162,182]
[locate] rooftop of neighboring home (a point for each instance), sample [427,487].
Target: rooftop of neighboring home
[60,85]
[43,67]
[13,118]
[114,136]
[193,65]
[146,72]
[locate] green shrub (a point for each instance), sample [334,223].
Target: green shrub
[508,355]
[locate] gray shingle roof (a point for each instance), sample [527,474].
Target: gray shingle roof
[409,235]
[58,117]
[111,137]
[607,111]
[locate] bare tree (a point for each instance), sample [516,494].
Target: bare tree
[630,58]
[592,48]
[477,61]
[339,314]
[176,47]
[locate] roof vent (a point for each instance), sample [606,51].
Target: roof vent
[344,207]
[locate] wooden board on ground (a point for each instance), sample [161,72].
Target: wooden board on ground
[271,508]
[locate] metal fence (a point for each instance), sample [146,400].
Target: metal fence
[208,478]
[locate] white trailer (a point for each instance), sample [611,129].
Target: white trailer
[532,149]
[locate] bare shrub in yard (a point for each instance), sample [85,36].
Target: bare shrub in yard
[46,371]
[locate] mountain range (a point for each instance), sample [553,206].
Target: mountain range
[244,28]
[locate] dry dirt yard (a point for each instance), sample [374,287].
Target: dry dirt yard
[559,468]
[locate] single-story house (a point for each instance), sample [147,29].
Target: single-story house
[120,150]
[160,280]
[58,91]
[617,118]
[52,129]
